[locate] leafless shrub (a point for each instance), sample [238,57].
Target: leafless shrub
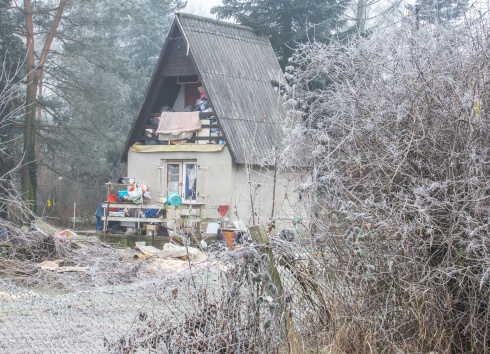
[230,306]
[393,132]
[22,250]
[11,108]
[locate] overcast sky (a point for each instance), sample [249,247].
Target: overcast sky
[201,7]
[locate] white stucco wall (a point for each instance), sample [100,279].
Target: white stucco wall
[214,172]
[220,181]
[254,199]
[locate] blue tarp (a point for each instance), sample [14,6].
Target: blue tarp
[99,226]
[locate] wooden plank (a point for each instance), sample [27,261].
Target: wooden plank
[201,114]
[130,219]
[177,220]
[159,206]
[214,138]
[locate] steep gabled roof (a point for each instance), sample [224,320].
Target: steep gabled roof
[236,68]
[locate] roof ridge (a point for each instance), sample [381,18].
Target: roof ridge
[249,39]
[212,20]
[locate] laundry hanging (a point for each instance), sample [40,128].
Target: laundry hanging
[175,123]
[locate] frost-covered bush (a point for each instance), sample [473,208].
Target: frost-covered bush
[393,134]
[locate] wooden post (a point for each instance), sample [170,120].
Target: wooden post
[260,237]
[106,214]
[106,210]
[74,215]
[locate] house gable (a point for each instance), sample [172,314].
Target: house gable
[236,68]
[178,60]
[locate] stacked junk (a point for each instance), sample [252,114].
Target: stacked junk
[197,124]
[232,235]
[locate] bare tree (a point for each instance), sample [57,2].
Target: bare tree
[11,109]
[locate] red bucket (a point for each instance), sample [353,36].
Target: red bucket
[112,198]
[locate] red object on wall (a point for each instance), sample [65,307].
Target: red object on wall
[223,209]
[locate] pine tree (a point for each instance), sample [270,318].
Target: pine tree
[286,22]
[11,55]
[438,11]
[72,46]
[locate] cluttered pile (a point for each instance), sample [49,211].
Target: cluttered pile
[188,127]
[136,194]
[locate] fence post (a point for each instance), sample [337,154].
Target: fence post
[260,237]
[74,215]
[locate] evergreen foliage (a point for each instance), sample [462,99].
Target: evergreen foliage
[11,59]
[94,78]
[439,11]
[286,22]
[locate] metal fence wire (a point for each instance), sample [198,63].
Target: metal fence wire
[238,301]
[332,293]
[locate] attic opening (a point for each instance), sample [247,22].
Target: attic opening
[178,109]
[181,113]
[187,79]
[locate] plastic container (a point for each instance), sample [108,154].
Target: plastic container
[123,193]
[112,198]
[174,199]
[229,237]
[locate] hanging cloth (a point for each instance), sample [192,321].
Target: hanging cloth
[175,123]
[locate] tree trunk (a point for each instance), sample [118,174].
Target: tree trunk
[361,15]
[29,170]
[34,74]
[287,24]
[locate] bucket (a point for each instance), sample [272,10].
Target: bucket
[229,237]
[112,198]
[174,199]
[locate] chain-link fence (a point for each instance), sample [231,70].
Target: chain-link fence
[333,293]
[242,300]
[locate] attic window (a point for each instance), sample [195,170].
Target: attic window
[190,79]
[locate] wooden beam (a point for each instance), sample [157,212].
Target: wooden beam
[159,206]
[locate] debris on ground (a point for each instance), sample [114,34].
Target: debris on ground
[41,255]
[33,259]
[172,251]
[148,249]
[56,267]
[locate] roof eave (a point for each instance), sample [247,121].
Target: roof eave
[123,158]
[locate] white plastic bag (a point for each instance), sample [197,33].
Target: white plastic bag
[136,195]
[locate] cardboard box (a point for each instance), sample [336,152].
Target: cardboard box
[152,227]
[152,230]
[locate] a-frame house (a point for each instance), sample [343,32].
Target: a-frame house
[229,159]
